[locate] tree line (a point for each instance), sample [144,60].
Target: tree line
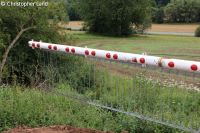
[124,17]
[163,11]
[177,11]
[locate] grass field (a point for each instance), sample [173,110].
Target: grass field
[170,46]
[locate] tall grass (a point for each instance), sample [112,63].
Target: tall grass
[169,103]
[31,107]
[34,108]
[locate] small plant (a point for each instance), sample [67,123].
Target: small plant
[197,32]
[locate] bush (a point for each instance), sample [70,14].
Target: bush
[197,32]
[114,17]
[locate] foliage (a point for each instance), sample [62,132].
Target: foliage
[183,11]
[177,11]
[148,97]
[158,15]
[86,81]
[115,17]
[71,9]
[34,108]
[197,32]
[137,94]
[11,23]
[62,68]
[12,20]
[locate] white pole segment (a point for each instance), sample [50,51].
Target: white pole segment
[191,66]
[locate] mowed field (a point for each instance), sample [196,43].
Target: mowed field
[170,46]
[167,46]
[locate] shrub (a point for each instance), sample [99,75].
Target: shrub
[114,17]
[197,32]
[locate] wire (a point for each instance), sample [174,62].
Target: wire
[141,117]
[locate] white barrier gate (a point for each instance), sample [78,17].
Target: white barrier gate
[185,65]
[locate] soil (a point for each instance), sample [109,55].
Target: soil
[180,28]
[75,23]
[55,129]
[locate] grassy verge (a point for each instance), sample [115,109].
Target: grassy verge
[161,101]
[34,108]
[164,102]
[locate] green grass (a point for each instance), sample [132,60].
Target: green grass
[33,108]
[183,47]
[36,108]
[165,102]
[170,104]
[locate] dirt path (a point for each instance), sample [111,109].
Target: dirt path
[54,129]
[177,28]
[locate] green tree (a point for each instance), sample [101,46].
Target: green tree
[158,15]
[18,25]
[71,9]
[183,11]
[115,17]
